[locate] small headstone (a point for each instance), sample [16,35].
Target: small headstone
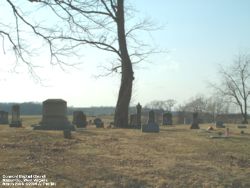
[79,119]
[138,113]
[67,133]
[167,119]
[54,116]
[151,126]
[15,119]
[242,126]
[98,123]
[4,117]
[195,123]
[219,124]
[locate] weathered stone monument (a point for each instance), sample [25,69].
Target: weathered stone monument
[135,119]
[138,113]
[195,123]
[167,119]
[54,116]
[15,118]
[4,117]
[98,123]
[79,119]
[67,133]
[151,126]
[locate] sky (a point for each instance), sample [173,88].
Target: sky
[197,36]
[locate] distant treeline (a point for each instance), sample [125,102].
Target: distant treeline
[33,108]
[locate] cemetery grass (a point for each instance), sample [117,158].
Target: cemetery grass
[175,157]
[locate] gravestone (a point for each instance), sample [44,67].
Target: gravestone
[54,116]
[219,124]
[98,123]
[138,113]
[67,133]
[242,126]
[133,120]
[4,117]
[195,123]
[79,119]
[15,118]
[151,126]
[167,119]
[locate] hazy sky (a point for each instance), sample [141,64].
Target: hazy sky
[198,35]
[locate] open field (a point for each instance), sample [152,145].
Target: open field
[176,157]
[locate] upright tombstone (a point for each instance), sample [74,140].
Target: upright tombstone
[15,118]
[98,123]
[195,123]
[138,114]
[135,119]
[151,126]
[167,119]
[67,133]
[4,117]
[54,116]
[79,119]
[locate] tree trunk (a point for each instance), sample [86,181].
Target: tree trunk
[245,112]
[122,106]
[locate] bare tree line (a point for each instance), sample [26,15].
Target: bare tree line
[231,89]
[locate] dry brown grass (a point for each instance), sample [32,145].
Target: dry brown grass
[176,157]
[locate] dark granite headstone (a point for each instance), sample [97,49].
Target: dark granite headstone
[98,123]
[54,116]
[151,126]
[79,119]
[4,117]
[195,123]
[15,118]
[67,133]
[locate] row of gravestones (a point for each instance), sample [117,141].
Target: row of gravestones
[135,121]
[151,126]
[55,118]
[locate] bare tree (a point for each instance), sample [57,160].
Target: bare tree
[217,105]
[97,23]
[197,104]
[165,105]
[234,83]
[170,103]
